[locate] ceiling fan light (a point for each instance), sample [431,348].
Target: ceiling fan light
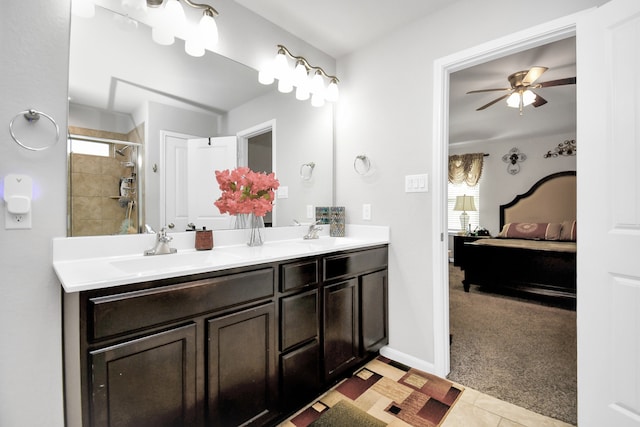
[513,100]
[528,97]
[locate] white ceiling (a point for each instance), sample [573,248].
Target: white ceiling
[338,27]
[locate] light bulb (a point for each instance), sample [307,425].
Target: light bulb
[317,100]
[317,84]
[302,91]
[332,94]
[208,31]
[161,29]
[285,85]
[280,65]
[194,45]
[514,100]
[300,76]
[528,97]
[265,75]
[176,19]
[83,8]
[135,5]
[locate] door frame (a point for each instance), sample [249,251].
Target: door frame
[523,40]
[243,137]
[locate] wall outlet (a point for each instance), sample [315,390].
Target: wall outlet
[310,212]
[366,212]
[17,221]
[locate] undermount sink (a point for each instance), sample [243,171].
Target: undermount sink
[146,264]
[329,242]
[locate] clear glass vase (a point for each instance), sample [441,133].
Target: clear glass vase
[255,228]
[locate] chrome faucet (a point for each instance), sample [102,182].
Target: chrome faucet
[313,231]
[162,244]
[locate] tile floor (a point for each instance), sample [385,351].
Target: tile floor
[475,409]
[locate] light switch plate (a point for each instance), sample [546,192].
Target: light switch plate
[283,192]
[416,183]
[366,212]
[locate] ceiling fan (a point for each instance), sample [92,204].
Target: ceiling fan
[520,94]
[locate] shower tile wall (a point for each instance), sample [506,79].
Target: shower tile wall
[95,208]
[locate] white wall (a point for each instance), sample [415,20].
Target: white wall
[498,187]
[33,74]
[303,134]
[386,112]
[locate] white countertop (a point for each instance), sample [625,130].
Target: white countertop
[86,263]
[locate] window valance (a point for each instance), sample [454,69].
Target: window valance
[465,168]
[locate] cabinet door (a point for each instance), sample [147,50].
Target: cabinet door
[150,381]
[300,370]
[340,319]
[241,360]
[373,311]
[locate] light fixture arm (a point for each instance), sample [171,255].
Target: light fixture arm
[303,60]
[208,10]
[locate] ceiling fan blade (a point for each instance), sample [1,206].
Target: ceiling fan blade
[539,101]
[488,90]
[492,102]
[533,75]
[559,82]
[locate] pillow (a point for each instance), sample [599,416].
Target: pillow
[531,230]
[569,230]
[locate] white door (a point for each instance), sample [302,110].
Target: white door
[190,185]
[608,91]
[205,156]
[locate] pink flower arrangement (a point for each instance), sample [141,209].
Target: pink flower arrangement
[245,191]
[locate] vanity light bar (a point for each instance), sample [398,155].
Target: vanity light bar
[298,77]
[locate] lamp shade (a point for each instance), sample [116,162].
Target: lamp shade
[464,203]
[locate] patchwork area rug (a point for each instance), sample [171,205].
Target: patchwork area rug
[381,393]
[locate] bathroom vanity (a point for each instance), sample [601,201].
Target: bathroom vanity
[246,341]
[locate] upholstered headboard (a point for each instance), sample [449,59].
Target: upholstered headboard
[552,199]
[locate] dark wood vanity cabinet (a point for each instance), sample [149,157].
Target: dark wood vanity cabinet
[246,346]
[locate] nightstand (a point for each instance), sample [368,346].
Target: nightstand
[458,247]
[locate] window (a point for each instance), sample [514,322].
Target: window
[454,216]
[89,147]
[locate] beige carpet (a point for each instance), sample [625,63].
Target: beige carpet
[516,350]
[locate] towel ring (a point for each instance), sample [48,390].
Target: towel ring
[361,164]
[306,171]
[33,116]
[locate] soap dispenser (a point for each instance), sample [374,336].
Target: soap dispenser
[204,239]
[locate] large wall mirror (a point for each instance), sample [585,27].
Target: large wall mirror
[149,125]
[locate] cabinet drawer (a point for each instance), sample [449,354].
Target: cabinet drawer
[119,313]
[298,275]
[354,263]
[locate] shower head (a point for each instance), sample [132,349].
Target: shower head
[121,151]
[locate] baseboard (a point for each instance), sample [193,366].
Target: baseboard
[408,360]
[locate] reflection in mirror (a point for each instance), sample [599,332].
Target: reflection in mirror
[124,87]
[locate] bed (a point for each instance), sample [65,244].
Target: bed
[535,253]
